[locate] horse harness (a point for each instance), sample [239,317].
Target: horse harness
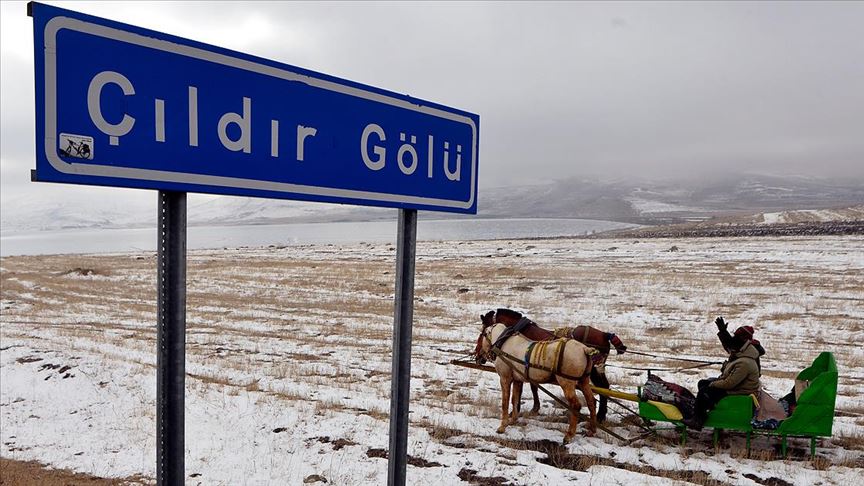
[572,333]
[541,347]
[509,331]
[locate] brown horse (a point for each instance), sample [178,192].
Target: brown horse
[587,335]
[566,362]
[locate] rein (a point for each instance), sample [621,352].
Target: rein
[495,352]
[662,369]
[674,358]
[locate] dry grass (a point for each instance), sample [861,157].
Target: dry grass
[439,431]
[854,441]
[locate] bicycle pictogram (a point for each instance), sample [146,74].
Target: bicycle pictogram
[77,146]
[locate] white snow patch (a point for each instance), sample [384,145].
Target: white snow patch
[647,206]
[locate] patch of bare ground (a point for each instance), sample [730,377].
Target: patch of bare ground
[412,460]
[558,456]
[27,473]
[772,481]
[438,431]
[659,330]
[851,442]
[471,476]
[337,443]
[86,271]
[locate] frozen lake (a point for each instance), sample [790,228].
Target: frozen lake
[201,237]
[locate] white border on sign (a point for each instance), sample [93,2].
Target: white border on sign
[58,23]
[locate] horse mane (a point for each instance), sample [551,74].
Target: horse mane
[509,313]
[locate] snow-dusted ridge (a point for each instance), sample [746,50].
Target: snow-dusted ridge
[625,200]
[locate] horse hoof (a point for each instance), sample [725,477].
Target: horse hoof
[567,439]
[500,430]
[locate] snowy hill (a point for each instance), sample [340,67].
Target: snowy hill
[814,215]
[670,201]
[80,211]
[641,201]
[77,210]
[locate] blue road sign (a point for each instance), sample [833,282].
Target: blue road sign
[117,105]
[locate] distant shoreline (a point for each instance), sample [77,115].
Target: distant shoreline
[826,228]
[105,240]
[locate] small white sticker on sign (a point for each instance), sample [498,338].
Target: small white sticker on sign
[76,146]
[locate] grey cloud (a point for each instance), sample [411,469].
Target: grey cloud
[570,88]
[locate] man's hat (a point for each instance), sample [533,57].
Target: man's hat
[744,333]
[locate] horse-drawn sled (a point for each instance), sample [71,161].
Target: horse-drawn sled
[525,353]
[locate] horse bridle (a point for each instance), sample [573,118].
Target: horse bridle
[480,356]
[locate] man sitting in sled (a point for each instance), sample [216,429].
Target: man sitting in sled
[739,376]
[743,333]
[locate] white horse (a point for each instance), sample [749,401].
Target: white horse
[570,368]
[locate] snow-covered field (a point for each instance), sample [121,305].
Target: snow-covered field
[288,358]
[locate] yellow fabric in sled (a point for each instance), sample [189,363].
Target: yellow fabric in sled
[615,394]
[668,410]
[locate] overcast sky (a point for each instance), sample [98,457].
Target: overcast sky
[562,89]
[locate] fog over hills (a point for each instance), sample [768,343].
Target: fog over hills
[671,200]
[632,200]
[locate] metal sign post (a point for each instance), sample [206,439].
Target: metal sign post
[400,380]
[171,339]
